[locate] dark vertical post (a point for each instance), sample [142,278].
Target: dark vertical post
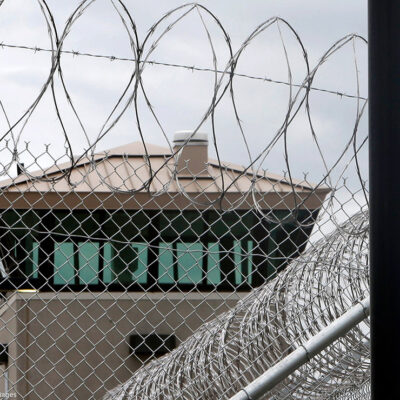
[46,249]
[152,255]
[384,128]
[227,262]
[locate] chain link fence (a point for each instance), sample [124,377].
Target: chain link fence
[162,271]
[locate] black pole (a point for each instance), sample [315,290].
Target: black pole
[384,157]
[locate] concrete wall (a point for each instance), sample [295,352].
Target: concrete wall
[68,345]
[8,335]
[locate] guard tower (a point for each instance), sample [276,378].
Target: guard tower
[140,245]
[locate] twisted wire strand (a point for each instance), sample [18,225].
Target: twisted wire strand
[223,86]
[76,53]
[316,288]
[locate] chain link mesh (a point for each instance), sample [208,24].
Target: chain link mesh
[157,272]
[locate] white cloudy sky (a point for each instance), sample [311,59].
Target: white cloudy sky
[180,97]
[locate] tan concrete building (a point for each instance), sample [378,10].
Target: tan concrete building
[131,243]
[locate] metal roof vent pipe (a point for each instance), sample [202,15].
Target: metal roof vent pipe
[192,153]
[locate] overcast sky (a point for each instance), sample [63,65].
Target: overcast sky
[180,97]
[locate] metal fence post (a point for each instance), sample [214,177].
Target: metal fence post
[384,128]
